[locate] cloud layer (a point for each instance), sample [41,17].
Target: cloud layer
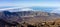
[15,9]
[56,10]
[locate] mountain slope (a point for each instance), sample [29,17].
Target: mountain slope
[30,17]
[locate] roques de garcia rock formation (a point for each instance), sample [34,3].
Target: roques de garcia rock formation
[29,19]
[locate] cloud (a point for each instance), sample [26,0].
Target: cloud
[21,9]
[56,10]
[15,9]
[26,9]
[9,8]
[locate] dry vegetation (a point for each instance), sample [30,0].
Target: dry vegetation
[55,23]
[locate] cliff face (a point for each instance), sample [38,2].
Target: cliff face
[30,17]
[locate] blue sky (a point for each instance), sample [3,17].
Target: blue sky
[11,4]
[23,3]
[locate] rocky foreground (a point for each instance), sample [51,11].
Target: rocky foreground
[29,19]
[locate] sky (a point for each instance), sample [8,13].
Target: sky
[12,4]
[24,3]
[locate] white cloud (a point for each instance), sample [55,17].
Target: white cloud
[9,8]
[26,9]
[21,9]
[56,10]
[15,9]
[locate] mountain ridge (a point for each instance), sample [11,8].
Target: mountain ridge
[27,16]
